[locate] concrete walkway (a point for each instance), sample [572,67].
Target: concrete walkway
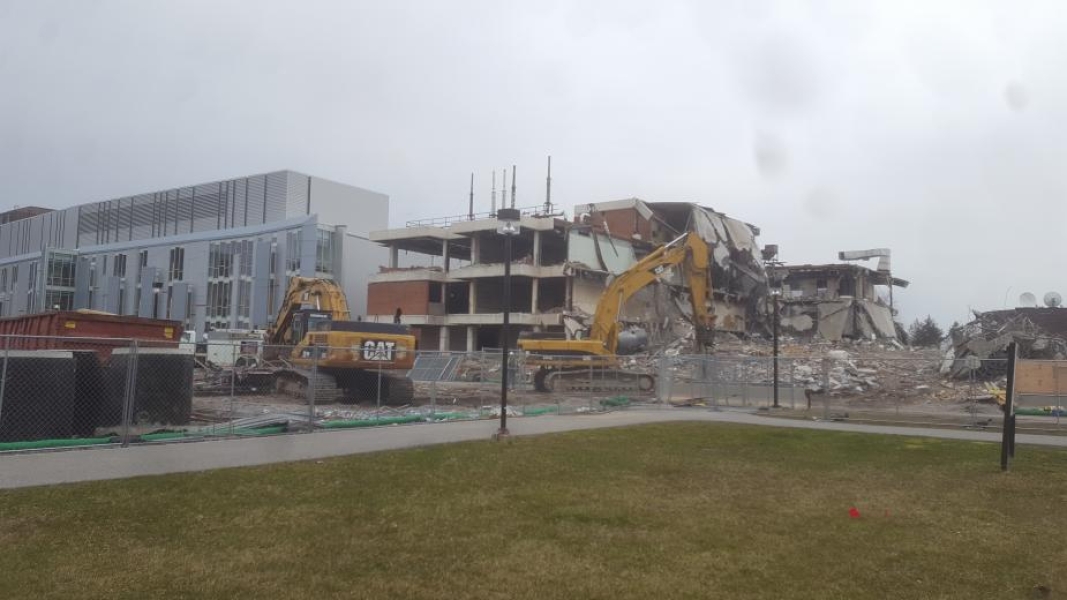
[96,463]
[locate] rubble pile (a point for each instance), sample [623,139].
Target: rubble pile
[865,370]
[1039,333]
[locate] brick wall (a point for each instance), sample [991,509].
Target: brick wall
[412,297]
[622,223]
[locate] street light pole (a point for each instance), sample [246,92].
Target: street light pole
[509,219]
[504,336]
[774,284]
[774,295]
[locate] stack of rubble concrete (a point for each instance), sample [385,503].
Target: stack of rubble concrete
[856,369]
[1040,333]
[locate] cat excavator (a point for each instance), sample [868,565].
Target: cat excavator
[334,357]
[592,362]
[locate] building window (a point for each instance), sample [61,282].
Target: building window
[60,271]
[177,264]
[120,265]
[820,286]
[246,247]
[31,291]
[272,286]
[144,258]
[3,280]
[218,303]
[92,285]
[220,260]
[244,299]
[292,252]
[324,252]
[59,300]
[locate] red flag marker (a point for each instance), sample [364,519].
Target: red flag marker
[854,513]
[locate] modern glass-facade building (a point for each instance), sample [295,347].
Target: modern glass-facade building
[215,255]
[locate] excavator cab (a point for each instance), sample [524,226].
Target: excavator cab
[307,320]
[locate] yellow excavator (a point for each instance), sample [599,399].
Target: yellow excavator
[593,362]
[334,357]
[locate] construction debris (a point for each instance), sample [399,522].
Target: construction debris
[1040,333]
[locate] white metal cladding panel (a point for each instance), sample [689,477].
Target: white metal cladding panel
[277,191]
[240,202]
[35,233]
[141,215]
[183,210]
[88,224]
[207,207]
[253,201]
[297,188]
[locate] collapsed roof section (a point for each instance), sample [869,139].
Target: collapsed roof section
[1041,333]
[737,274]
[736,267]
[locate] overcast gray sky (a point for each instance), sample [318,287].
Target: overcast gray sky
[938,129]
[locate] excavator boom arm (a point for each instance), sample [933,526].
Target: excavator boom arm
[324,294]
[689,249]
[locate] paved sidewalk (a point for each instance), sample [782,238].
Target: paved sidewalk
[47,468]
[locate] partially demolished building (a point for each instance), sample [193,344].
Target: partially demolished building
[1040,333]
[836,301]
[452,295]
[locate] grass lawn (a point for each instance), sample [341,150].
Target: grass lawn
[685,510]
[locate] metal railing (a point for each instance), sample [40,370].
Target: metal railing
[446,221]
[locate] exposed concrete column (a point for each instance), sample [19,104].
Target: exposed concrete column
[444,254]
[443,338]
[472,338]
[535,289]
[537,249]
[473,293]
[475,251]
[394,256]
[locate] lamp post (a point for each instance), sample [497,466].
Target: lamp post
[509,228]
[775,293]
[774,280]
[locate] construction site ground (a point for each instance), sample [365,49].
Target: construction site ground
[870,378]
[473,399]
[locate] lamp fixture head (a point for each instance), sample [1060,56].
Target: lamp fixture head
[509,221]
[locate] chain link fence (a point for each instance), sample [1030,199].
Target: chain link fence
[58,392]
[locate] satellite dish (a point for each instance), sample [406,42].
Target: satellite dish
[1053,299]
[1027,300]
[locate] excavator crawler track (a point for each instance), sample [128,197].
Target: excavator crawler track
[308,385]
[599,380]
[362,386]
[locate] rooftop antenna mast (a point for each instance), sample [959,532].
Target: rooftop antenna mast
[548,188]
[492,207]
[512,186]
[470,205]
[504,191]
